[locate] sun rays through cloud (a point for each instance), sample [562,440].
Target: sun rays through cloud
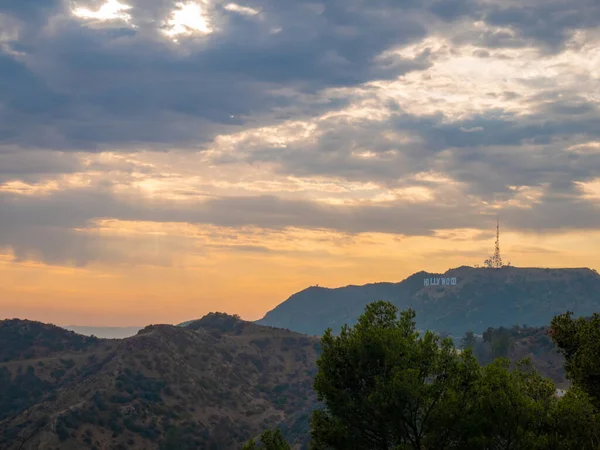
[189,18]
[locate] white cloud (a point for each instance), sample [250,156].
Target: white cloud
[460,84]
[111,10]
[245,10]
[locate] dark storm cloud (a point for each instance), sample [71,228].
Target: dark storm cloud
[451,10]
[556,212]
[44,227]
[53,229]
[75,208]
[545,22]
[88,87]
[34,165]
[84,87]
[68,84]
[34,12]
[489,153]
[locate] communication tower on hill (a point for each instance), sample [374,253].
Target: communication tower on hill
[495,261]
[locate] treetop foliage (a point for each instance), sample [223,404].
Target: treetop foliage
[579,341]
[385,386]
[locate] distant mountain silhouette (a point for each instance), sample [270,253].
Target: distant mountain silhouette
[105,332]
[211,385]
[480,299]
[26,339]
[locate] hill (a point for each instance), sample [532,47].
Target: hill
[520,342]
[210,385]
[24,339]
[481,298]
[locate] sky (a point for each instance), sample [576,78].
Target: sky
[160,160]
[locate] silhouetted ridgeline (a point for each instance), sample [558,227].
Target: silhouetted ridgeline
[481,298]
[211,385]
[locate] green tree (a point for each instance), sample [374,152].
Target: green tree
[270,440]
[386,387]
[498,341]
[512,407]
[487,335]
[500,344]
[572,423]
[579,341]
[519,410]
[468,341]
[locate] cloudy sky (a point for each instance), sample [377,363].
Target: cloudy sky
[160,160]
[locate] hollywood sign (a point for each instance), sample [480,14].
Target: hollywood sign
[440,281]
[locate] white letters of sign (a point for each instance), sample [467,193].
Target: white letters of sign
[439,281]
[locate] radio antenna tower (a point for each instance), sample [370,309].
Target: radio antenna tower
[495,261]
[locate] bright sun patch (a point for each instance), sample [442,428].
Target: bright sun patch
[188,18]
[111,10]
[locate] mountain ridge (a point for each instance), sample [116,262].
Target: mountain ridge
[214,385]
[481,298]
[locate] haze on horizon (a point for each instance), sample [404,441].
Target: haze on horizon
[160,160]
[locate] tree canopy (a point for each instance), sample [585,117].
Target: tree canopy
[468,341]
[579,341]
[385,386]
